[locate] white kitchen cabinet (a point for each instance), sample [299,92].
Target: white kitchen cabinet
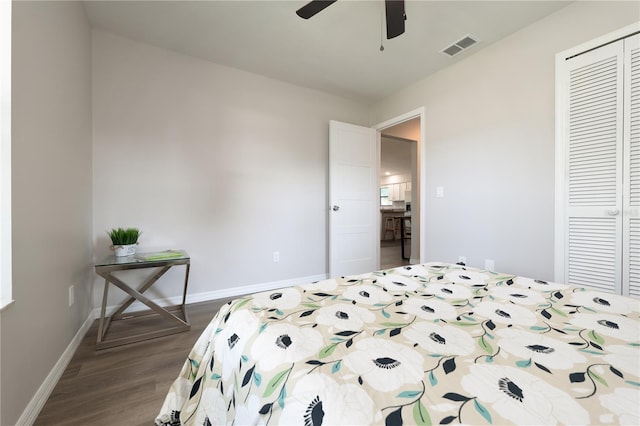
[397,191]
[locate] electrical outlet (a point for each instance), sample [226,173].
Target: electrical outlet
[71,296]
[276,256]
[489,265]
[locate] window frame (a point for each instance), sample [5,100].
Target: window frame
[6,294]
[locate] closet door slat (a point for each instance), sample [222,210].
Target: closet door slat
[631,185]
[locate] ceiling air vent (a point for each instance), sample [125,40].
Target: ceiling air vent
[460,45]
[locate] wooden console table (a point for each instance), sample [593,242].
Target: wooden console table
[112,264]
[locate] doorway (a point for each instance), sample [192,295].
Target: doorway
[400,201]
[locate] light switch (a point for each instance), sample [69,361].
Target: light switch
[440,192]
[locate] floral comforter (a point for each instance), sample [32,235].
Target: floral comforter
[420,344]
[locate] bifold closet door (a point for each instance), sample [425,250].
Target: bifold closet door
[593,171]
[631,176]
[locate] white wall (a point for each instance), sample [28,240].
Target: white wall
[490,142]
[230,166]
[386,180]
[51,188]
[233,166]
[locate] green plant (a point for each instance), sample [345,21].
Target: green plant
[124,236]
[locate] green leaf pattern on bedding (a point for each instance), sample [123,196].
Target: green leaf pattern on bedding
[422,344]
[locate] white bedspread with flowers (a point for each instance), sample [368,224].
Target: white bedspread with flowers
[422,344]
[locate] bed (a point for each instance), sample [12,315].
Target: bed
[422,344]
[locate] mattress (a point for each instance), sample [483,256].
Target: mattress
[422,344]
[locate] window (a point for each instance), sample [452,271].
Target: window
[384,196]
[5,153]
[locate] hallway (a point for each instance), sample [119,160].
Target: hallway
[390,253]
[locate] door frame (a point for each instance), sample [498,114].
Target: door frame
[421,181]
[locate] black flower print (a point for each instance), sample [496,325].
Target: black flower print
[342,315]
[437,338]
[386,363]
[275,296]
[232,340]
[427,309]
[283,341]
[601,301]
[609,324]
[502,313]
[314,414]
[510,388]
[540,349]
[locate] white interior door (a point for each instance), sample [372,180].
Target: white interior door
[353,199]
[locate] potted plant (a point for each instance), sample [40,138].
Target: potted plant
[124,240]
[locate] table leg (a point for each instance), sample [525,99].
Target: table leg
[184,293]
[101,329]
[186,282]
[144,287]
[142,298]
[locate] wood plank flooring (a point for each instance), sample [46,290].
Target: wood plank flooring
[390,253]
[126,385]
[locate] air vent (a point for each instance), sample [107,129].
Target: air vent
[460,45]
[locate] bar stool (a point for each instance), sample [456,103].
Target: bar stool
[397,221]
[389,226]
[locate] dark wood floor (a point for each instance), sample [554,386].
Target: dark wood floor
[125,385]
[390,253]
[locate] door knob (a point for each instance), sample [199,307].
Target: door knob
[335,208]
[613,212]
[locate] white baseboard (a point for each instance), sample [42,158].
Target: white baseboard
[31,411]
[217,294]
[254,288]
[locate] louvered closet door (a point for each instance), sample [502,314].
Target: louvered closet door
[631,209]
[594,169]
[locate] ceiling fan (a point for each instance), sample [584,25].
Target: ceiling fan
[394,10]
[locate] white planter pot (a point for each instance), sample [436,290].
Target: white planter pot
[126,250]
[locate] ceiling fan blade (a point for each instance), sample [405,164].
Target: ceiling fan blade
[395,17]
[313,7]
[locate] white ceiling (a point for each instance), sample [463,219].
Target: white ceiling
[336,51]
